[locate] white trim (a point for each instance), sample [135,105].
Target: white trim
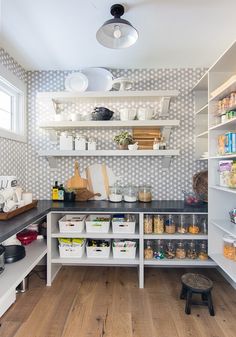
[19,86]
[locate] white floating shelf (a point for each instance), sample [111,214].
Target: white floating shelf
[109,235]
[180,262]
[109,124]
[63,96]
[202,111]
[202,135]
[224,90]
[228,125]
[228,266]
[176,236]
[226,226]
[228,156]
[202,84]
[203,159]
[224,189]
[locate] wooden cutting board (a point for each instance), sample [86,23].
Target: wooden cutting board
[145,137]
[76,181]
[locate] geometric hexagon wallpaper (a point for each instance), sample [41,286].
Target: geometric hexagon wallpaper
[131,170]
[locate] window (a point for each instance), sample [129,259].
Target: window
[12,106]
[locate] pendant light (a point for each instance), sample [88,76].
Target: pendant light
[117,33]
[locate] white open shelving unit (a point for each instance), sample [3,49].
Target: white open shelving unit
[54,261]
[220,199]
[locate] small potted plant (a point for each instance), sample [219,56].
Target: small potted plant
[123,139]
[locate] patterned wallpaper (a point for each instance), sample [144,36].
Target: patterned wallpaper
[13,153]
[139,170]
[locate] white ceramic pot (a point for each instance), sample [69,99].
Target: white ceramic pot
[127,114]
[133,147]
[146,114]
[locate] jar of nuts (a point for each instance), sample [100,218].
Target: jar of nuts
[170,250]
[191,250]
[194,227]
[148,251]
[145,193]
[170,224]
[148,224]
[202,255]
[228,247]
[158,224]
[180,250]
[182,226]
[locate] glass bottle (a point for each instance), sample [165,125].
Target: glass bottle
[194,226]
[192,251]
[180,250]
[158,224]
[148,224]
[159,253]
[170,250]
[202,254]
[182,227]
[170,224]
[148,250]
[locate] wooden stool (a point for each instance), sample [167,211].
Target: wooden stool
[196,284]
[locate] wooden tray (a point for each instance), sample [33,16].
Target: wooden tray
[12,214]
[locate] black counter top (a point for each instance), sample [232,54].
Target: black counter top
[15,225]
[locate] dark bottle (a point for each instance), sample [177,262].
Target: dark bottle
[61,193]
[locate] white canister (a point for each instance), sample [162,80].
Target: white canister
[127,114]
[66,141]
[80,144]
[92,145]
[27,197]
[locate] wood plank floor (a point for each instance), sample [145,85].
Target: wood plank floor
[106,302]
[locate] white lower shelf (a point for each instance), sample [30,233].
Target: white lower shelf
[93,261]
[227,156]
[176,236]
[179,262]
[228,266]
[226,226]
[109,235]
[15,272]
[224,189]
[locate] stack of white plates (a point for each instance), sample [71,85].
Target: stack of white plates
[90,79]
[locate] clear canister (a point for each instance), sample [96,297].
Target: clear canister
[192,250]
[182,226]
[148,250]
[148,224]
[159,253]
[130,193]
[145,193]
[170,250]
[170,224]
[194,225]
[115,193]
[158,224]
[202,254]
[180,250]
[228,242]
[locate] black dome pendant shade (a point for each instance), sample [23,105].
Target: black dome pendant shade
[117,33]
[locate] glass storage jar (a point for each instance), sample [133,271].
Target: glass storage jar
[145,193]
[170,250]
[158,224]
[148,224]
[234,250]
[194,225]
[192,250]
[130,193]
[182,226]
[202,254]
[204,225]
[115,193]
[180,250]
[159,253]
[229,247]
[148,250]
[170,224]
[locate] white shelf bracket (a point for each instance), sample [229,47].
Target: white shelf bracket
[166,163]
[52,161]
[166,133]
[165,105]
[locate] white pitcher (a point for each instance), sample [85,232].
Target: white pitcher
[146,114]
[127,114]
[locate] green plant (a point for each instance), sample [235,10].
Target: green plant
[124,138]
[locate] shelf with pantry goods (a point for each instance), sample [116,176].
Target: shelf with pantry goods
[222,164]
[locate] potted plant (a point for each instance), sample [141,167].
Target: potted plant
[123,139]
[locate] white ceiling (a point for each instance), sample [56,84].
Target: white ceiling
[60,34]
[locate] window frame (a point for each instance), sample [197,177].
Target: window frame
[10,81]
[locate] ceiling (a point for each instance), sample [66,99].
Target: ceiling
[60,34]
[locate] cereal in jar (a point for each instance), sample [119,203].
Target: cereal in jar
[148,224]
[158,224]
[170,224]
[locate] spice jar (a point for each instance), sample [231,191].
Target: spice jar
[170,250]
[115,193]
[159,253]
[229,247]
[182,227]
[148,224]
[148,251]
[145,193]
[158,224]
[180,250]
[194,227]
[202,255]
[191,250]
[130,193]
[170,224]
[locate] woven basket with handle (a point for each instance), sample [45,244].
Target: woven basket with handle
[200,184]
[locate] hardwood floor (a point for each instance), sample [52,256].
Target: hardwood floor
[106,302]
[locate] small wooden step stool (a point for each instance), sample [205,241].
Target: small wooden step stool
[197,284]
